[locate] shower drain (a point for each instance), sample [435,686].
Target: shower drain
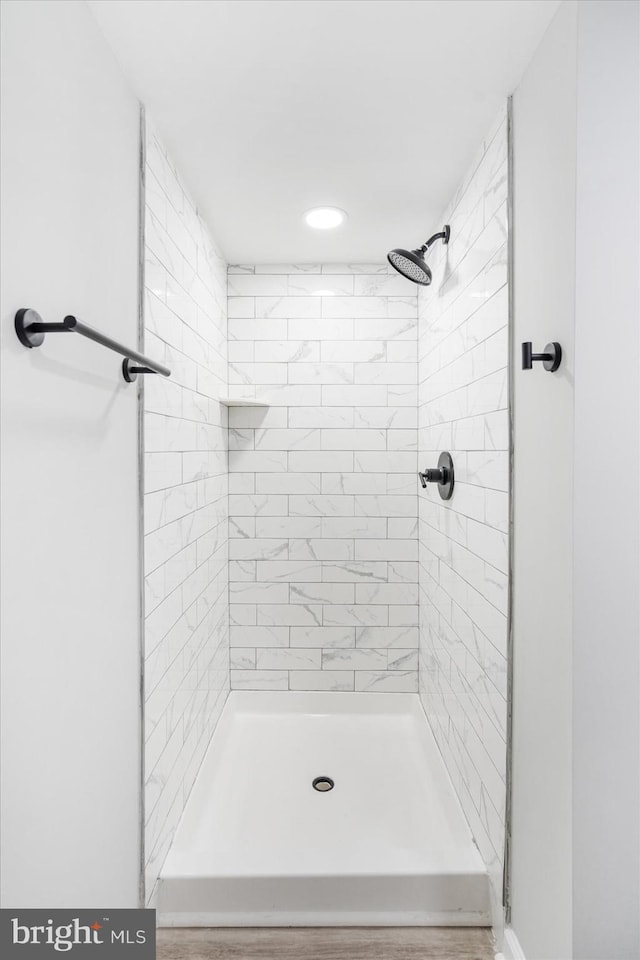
[323,784]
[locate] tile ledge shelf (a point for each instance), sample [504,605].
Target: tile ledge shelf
[242,402]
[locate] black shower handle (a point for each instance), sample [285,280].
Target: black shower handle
[434,475]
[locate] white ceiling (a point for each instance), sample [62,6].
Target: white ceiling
[269,107]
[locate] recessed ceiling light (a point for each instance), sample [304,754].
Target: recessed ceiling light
[325,218]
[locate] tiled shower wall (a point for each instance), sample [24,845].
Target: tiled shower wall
[464,353]
[185,499]
[323,532]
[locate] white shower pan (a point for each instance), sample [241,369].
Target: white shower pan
[258,845]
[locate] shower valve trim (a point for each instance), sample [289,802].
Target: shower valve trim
[443,475]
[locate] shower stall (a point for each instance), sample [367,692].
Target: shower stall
[319,614]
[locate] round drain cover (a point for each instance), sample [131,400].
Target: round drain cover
[323,784]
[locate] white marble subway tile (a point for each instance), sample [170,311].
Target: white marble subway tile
[168,434]
[320,284]
[353,351]
[256,461]
[320,417]
[289,570]
[404,615]
[247,328]
[488,543]
[354,659]
[496,430]
[353,439]
[385,506]
[162,470]
[288,307]
[320,505]
[353,527]
[391,417]
[242,527]
[321,373]
[258,505]
[161,321]
[279,658]
[285,526]
[277,268]
[253,548]
[303,328]
[355,483]
[259,636]
[388,593]
[241,482]
[403,528]
[488,469]
[323,637]
[385,373]
[402,351]
[286,351]
[496,507]
[387,637]
[355,268]
[259,418]
[402,484]
[382,328]
[383,285]
[242,659]
[402,660]
[402,440]
[405,395]
[304,461]
[354,307]
[403,571]
[387,462]
[321,593]
[354,396]
[279,395]
[401,681]
[274,483]
[242,569]
[287,439]
[259,680]
[387,549]
[311,548]
[354,571]
[240,268]
[252,373]
[354,615]
[255,593]
[293,615]
[241,439]
[257,285]
[337,680]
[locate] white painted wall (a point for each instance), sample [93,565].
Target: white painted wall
[544,120]
[606,693]
[70,610]
[575,844]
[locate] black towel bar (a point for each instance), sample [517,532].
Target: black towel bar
[31,331]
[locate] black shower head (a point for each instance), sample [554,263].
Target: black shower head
[411,263]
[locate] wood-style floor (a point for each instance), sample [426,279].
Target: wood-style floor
[325,943]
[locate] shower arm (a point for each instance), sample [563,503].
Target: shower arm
[442,235]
